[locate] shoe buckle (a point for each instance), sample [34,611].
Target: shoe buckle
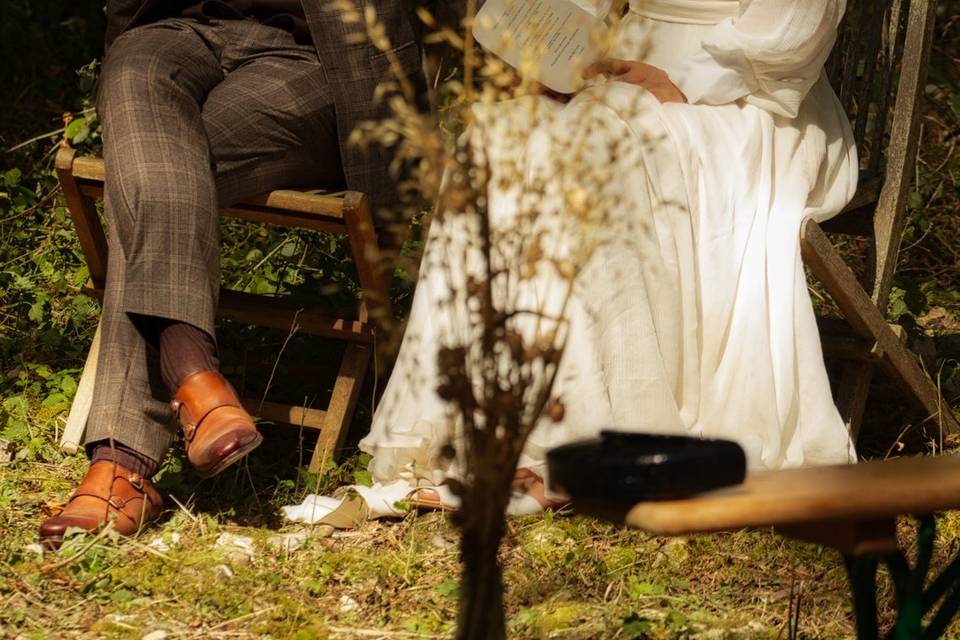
[117,503]
[136,481]
[188,428]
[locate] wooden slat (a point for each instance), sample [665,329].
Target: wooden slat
[343,400]
[851,54]
[285,414]
[316,203]
[282,204]
[288,219]
[869,490]
[86,220]
[894,36]
[872,32]
[866,320]
[323,215]
[902,149]
[366,255]
[88,168]
[283,314]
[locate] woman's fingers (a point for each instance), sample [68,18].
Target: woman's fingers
[653,79]
[640,73]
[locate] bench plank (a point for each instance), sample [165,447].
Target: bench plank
[89,171]
[865,491]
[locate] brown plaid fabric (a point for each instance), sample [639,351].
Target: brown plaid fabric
[354,68]
[195,116]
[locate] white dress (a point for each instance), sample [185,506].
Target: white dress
[709,330]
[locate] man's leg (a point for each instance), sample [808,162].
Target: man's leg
[271,122]
[161,211]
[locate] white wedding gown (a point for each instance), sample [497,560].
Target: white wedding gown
[709,329]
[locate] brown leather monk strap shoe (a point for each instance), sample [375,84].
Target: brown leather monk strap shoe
[108,493]
[217,430]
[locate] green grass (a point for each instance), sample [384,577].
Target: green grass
[567,576]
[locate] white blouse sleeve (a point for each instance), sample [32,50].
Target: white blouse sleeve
[770,56]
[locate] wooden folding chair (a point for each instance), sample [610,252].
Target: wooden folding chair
[880,60]
[342,213]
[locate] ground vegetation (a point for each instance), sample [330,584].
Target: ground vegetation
[225,565]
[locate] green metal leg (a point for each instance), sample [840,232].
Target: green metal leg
[910,609]
[943,617]
[914,602]
[944,582]
[899,570]
[863,579]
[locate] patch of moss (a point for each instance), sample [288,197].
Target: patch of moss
[619,558]
[555,618]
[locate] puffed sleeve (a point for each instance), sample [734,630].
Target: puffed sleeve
[770,56]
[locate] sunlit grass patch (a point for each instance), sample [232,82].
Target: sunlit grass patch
[566,576]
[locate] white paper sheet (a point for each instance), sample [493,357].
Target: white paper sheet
[554,40]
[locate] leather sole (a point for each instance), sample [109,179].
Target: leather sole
[231,458]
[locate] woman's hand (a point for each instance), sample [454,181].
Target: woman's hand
[651,78]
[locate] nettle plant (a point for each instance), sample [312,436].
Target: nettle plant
[522,204]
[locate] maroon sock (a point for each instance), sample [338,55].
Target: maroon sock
[184,349]
[128,458]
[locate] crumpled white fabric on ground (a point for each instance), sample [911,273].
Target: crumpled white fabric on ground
[358,503]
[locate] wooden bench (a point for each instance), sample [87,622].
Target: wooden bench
[347,212]
[852,509]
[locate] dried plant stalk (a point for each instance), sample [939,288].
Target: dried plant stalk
[511,269]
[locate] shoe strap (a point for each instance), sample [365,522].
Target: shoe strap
[135,480]
[199,394]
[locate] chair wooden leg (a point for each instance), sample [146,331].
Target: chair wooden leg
[867,320]
[366,256]
[86,220]
[82,401]
[353,367]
